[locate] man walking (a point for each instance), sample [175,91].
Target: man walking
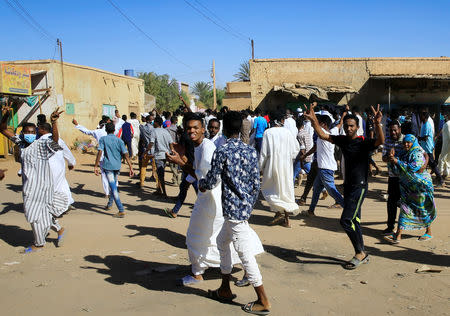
[236,165]
[394,142]
[113,149]
[259,125]
[426,141]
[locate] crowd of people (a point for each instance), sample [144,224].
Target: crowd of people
[230,157]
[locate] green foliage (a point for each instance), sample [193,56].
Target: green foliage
[206,96]
[243,73]
[164,89]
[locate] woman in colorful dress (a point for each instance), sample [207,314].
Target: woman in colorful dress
[417,208]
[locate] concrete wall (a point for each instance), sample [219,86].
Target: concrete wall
[354,72]
[88,89]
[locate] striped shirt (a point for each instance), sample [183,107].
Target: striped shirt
[306,142]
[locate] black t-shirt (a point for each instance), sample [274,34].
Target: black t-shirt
[356,156]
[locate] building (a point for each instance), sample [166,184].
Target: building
[392,82]
[84,93]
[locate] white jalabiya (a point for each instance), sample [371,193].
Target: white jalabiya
[207,218]
[291,125]
[58,168]
[278,151]
[135,140]
[444,157]
[97,134]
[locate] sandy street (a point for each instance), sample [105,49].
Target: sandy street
[111,266]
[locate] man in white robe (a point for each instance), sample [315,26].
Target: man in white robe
[207,218]
[278,152]
[58,168]
[444,157]
[97,134]
[135,140]
[42,204]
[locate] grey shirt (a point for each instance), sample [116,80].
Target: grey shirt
[161,140]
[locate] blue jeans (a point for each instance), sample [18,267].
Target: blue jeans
[298,168]
[325,179]
[184,187]
[111,175]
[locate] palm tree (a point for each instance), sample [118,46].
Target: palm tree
[201,89]
[244,72]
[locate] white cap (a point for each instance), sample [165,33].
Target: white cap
[145,114]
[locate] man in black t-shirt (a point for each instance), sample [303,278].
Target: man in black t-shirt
[356,151]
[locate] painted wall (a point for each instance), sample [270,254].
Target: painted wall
[87,89]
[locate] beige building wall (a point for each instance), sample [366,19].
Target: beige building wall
[353,72]
[88,89]
[237,96]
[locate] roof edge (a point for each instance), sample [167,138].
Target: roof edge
[51,61]
[443,58]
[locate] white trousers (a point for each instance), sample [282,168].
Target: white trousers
[42,227]
[238,233]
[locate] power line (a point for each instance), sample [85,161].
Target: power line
[26,20]
[33,20]
[208,18]
[215,15]
[146,35]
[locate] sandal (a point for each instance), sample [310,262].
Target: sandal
[248,308]
[168,213]
[425,237]
[214,294]
[30,249]
[276,220]
[335,205]
[391,238]
[355,262]
[307,214]
[60,240]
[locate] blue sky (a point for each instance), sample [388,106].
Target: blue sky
[95,34]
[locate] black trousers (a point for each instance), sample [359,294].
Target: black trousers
[351,215]
[310,180]
[432,163]
[394,196]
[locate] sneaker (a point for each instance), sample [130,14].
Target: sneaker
[242,283]
[119,215]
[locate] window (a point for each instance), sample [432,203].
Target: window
[108,110]
[70,108]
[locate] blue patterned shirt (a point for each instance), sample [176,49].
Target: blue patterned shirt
[236,164]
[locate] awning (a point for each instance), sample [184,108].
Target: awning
[413,76]
[306,91]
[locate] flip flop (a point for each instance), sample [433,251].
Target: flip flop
[188,280]
[60,240]
[391,238]
[29,250]
[276,220]
[355,262]
[336,205]
[248,308]
[168,213]
[425,237]
[214,294]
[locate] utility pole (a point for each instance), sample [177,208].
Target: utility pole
[214,85]
[253,51]
[59,43]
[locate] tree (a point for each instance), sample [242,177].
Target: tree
[201,89]
[164,89]
[244,72]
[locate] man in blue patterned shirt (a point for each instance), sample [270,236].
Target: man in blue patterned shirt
[236,164]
